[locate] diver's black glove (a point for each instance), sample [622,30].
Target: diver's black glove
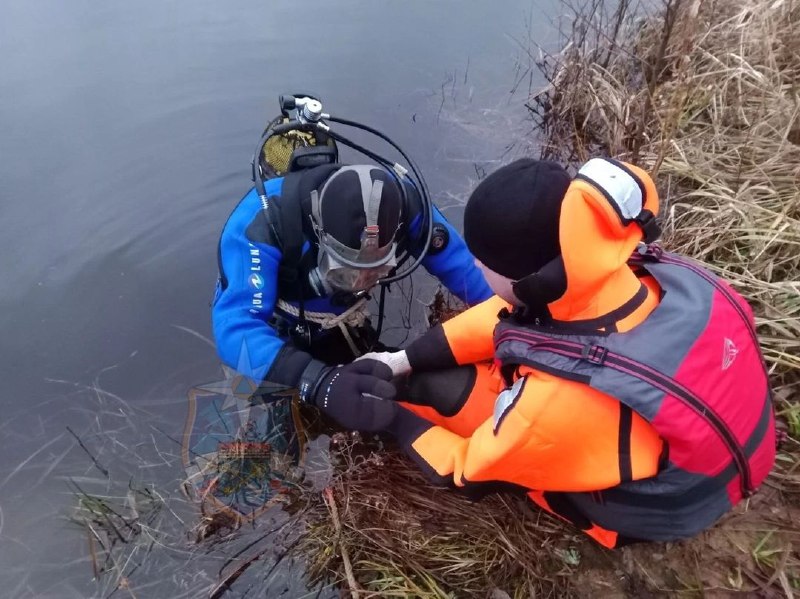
[358,396]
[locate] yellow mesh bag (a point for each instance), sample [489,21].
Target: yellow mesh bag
[277,150]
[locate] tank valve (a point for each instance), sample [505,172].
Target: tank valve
[309,110]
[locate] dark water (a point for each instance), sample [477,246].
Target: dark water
[126,131]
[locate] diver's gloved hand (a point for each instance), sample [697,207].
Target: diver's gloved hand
[397,361]
[358,396]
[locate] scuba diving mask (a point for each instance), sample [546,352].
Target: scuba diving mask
[334,276]
[344,268]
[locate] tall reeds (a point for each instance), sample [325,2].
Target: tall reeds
[707,98]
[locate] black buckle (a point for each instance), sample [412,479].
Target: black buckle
[594,354]
[300,334]
[650,252]
[649,225]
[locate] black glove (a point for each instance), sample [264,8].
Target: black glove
[358,396]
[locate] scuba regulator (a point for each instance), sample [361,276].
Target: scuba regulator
[304,136]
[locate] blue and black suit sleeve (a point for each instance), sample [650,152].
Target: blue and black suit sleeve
[247,291]
[453,264]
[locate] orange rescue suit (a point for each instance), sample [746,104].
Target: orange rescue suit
[551,434]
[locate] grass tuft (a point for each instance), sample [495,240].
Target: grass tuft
[402,538]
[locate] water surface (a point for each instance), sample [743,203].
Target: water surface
[127,130]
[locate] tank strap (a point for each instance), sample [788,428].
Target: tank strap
[290,225]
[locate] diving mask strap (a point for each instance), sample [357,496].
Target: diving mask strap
[372,203]
[372,206]
[316,210]
[341,253]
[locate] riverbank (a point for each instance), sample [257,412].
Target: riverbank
[704,95]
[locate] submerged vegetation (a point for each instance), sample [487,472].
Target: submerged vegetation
[121,532]
[706,96]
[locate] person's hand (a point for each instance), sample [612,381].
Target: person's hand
[359,396]
[397,361]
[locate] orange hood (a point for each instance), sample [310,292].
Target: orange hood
[600,226]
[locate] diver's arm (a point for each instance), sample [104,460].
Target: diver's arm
[448,258]
[245,301]
[454,264]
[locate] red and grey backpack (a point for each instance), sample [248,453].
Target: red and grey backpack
[694,370]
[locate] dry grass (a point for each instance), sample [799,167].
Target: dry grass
[404,538]
[708,100]
[706,95]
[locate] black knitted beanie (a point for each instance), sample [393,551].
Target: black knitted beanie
[511,219]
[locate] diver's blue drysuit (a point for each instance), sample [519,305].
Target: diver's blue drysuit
[250,331]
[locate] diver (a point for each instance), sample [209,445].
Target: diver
[304,248]
[618,386]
